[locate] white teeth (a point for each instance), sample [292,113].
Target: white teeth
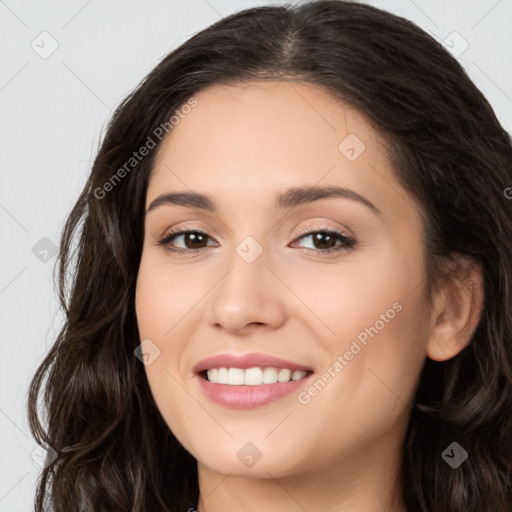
[222,376]
[253,376]
[269,376]
[236,376]
[284,375]
[213,375]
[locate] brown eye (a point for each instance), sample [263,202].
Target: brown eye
[327,240]
[324,240]
[191,241]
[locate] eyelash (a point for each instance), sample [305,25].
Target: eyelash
[347,241]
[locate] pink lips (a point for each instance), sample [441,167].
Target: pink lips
[245,397]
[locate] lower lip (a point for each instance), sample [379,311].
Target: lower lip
[246,397]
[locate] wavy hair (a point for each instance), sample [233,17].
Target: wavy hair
[114,451]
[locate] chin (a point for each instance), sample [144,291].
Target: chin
[251,459]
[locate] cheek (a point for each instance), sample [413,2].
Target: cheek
[164,295]
[158,305]
[373,331]
[182,414]
[360,292]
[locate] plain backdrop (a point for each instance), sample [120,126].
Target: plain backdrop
[65,66]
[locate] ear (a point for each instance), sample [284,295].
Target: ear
[457,309]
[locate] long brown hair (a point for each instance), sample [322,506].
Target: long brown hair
[114,451]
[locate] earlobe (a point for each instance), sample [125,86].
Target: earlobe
[457,311]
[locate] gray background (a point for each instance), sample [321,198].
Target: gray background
[52,111]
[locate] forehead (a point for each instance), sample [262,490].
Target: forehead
[271,135]
[275,114]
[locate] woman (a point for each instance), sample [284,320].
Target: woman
[293,281]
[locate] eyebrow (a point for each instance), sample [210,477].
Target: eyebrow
[291,198]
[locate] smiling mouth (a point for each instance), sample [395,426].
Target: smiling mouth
[255,376]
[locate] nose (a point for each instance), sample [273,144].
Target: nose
[249,296]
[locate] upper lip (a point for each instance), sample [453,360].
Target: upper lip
[247,361]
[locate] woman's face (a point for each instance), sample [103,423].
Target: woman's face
[264,279]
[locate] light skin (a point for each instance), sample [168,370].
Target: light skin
[243,145]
